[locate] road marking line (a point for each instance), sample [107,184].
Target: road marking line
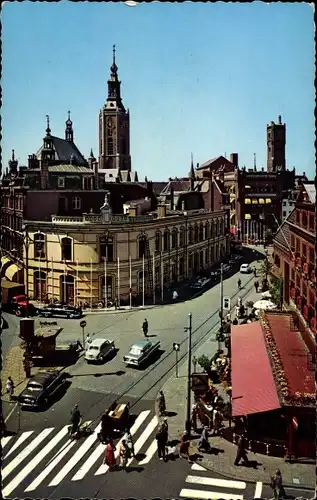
[10,413]
[5,440]
[50,467]
[76,457]
[101,449]
[34,462]
[12,465]
[197,467]
[144,437]
[103,467]
[22,438]
[209,495]
[258,490]
[149,453]
[223,483]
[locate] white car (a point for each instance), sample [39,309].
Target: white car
[245,268]
[98,350]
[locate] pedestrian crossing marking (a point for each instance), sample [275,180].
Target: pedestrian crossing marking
[144,437]
[12,465]
[258,490]
[101,449]
[198,467]
[222,483]
[76,457]
[21,439]
[5,441]
[208,495]
[149,453]
[140,419]
[34,462]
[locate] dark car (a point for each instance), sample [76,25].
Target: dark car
[60,310]
[40,389]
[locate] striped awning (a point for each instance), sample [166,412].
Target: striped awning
[12,271]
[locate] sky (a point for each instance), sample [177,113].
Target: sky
[201,78]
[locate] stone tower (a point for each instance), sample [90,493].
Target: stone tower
[114,127]
[276,142]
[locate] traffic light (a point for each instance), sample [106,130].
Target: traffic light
[226,303]
[175,346]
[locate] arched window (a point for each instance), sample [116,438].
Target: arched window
[211,229]
[143,246]
[174,238]
[190,235]
[201,231]
[158,241]
[181,267]
[181,237]
[106,248]
[207,227]
[67,288]
[195,233]
[123,146]
[110,146]
[166,240]
[39,285]
[39,246]
[66,247]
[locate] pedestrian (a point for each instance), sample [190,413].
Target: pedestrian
[228,318]
[184,446]
[161,444]
[256,286]
[110,459]
[87,342]
[239,301]
[164,428]
[75,420]
[216,420]
[128,439]
[193,416]
[241,452]
[123,454]
[203,443]
[161,405]
[10,387]
[175,295]
[145,327]
[254,271]
[277,485]
[239,284]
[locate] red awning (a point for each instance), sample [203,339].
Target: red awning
[253,385]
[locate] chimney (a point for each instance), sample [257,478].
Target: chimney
[234,159]
[212,198]
[44,174]
[161,210]
[172,198]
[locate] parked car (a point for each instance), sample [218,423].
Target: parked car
[245,268]
[141,351]
[99,349]
[40,389]
[60,310]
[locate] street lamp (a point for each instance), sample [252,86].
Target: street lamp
[189,330]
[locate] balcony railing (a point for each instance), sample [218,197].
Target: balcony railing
[98,219]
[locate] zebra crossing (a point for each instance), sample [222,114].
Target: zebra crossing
[31,460]
[221,488]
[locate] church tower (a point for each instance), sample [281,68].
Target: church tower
[114,127]
[276,141]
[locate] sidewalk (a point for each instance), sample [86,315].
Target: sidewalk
[175,391]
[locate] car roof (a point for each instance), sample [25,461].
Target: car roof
[42,377]
[141,343]
[98,342]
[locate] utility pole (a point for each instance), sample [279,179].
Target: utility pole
[221,302]
[189,330]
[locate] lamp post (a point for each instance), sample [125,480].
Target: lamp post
[221,302]
[189,330]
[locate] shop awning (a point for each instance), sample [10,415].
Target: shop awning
[12,271]
[253,385]
[247,216]
[4,260]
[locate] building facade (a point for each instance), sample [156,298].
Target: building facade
[96,257]
[295,256]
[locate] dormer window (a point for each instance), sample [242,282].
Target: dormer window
[61,182]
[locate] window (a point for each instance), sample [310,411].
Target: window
[76,203]
[110,146]
[181,237]
[158,241]
[311,255]
[292,242]
[39,291]
[142,247]
[39,246]
[207,231]
[190,235]
[106,248]
[87,183]
[211,230]
[61,182]
[66,246]
[311,222]
[304,219]
[195,233]
[201,232]
[297,245]
[174,238]
[297,217]
[304,251]
[166,240]
[284,213]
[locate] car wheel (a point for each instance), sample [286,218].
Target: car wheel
[46,315]
[18,312]
[71,316]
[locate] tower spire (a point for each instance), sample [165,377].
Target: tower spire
[69,133]
[114,67]
[48,130]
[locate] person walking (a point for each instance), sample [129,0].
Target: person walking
[277,485]
[123,454]
[145,327]
[254,271]
[128,439]
[184,446]
[161,404]
[241,452]
[256,286]
[161,443]
[193,417]
[10,387]
[87,342]
[203,443]
[216,421]
[75,420]
[110,459]
[239,284]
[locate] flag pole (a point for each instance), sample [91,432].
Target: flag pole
[77,283]
[130,271]
[65,281]
[162,278]
[153,279]
[118,282]
[40,282]
[90,283]
[106,291]
[143,281]
[52,279]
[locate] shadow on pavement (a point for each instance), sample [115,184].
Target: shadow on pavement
[96,374]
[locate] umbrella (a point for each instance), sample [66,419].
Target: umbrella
[266,295]
[264,304]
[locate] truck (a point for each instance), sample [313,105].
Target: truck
[13,298]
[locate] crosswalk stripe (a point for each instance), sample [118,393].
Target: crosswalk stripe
[149,453]
[144,436]
[12,465]
[76,457]
[34,462]
[211,481]
[209,495]
[37,481]
[21,439]
[101,449]
[197,467]
[139,421]
[258,490]
[5,441]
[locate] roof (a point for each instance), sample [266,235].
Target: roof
[63,151]
[253,385]
[287,348]
[311,191]
[213,160]
[283,236]
[70,169]
[177,185]
[156,186]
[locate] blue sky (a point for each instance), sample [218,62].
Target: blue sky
[197,77]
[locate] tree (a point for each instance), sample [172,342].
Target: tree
[204,362]
[276,291]
[266,269]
